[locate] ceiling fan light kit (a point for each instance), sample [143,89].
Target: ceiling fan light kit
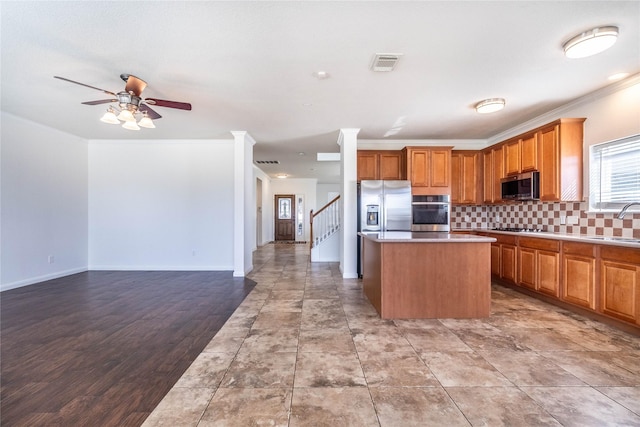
[110,117]
[591,42]
[490,105]
[131,104]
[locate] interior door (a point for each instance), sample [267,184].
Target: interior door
[285,217]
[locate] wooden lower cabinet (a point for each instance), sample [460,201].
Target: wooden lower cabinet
[495,259]
[539,265]
[620,283]
[579,278]
[528,267]
[604,279]
[549,273]
[508,263]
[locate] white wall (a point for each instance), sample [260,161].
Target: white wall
[305,187]
[161,205]
[323,191]
[44,203]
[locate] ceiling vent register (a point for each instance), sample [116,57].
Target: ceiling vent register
[385,61]
[268,162]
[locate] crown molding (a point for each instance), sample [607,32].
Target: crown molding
[560,111]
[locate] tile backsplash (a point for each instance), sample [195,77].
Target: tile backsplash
[556,217]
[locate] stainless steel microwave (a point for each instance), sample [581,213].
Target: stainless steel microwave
[524,186]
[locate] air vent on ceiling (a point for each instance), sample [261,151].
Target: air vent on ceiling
[268,162]
[385,61]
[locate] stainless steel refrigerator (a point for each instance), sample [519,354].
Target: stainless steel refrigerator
[383,206]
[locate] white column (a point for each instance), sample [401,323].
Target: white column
[244,203]
[348,141]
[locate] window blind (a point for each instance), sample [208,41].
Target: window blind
[615,173]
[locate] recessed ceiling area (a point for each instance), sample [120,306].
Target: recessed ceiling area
[292,74]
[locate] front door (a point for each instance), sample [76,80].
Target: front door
[285,217]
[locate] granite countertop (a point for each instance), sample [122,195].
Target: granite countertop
[424,237]
[604,240]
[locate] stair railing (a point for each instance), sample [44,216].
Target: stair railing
[324,222]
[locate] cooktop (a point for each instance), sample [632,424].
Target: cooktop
[519,229]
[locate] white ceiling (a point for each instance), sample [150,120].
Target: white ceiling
[250,66]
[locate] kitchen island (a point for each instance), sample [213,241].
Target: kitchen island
[427,275]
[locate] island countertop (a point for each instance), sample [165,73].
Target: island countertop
[424,237]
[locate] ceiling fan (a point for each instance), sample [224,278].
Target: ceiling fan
[130,103]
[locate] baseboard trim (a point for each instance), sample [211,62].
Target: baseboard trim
[43,278]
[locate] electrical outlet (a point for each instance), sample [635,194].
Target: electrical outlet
[50,259]
[563,220]
[498,219]
[466,218]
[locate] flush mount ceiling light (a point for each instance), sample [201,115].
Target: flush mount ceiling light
[490,105]
[282,175]
[591,42]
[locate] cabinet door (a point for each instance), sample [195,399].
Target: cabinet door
[390,165]
[487,173]
[512,158]
[579,280]
[620,284]
[548,269]
[469,187]
[528,266]
[529,153]
[440,174]
[495,259]
[508,263]
[367,165]
[419,168]
[549,164]
[457,178]
[498,174]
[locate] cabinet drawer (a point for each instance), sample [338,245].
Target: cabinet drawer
[582,249]
[504,239]
[618,253]
[544,244]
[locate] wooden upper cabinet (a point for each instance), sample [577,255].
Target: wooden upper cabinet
[367,165]
[465,177]
[512,157]
[497,173]
[529,153]
[492,172]
[391,165]
[521,154]
[429,169]
[560,153]
[380,164]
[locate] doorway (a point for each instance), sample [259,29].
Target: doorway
[285,217]
[258,212]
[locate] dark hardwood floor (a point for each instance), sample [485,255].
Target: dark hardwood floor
[102,348]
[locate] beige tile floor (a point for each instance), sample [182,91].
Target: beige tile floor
[306,348]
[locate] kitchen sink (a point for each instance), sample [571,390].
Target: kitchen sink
[616,239]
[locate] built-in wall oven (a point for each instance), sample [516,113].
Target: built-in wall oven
[430,213]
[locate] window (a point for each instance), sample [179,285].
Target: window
[614,174]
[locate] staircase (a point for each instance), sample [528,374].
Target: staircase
[324,232]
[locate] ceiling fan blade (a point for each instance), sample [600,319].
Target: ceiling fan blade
[151,113]
[86,85]
[101,101]
[170,104]
[134,84]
